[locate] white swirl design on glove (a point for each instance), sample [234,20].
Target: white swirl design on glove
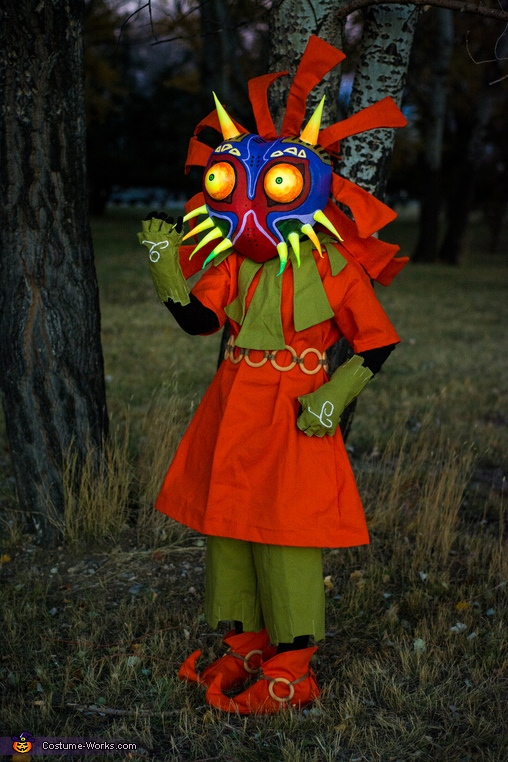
[326,410]
[156,255]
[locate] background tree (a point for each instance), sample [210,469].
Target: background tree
[459,117]
[433,118]
[51,372]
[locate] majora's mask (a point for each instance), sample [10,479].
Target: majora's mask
[263,193]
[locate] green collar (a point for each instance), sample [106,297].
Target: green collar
[262,324]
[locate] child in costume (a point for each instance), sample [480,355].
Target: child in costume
[262,468]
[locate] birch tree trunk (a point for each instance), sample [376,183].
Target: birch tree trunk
[51,365]
[384,58]
[291,24]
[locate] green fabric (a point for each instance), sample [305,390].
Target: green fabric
[337,261]
[310,303]
[323,408]
[236,310]
[162,242]
[261,327]
[273,586]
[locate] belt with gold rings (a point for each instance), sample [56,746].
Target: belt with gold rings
[270,355]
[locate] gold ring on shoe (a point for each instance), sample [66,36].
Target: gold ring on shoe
[287,682]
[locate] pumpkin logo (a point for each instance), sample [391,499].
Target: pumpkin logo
[23,743]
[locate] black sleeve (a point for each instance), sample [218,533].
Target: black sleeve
[194,318]
[374,358]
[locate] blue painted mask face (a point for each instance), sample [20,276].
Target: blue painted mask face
[261,193]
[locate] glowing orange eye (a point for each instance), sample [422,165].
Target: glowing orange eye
[283,183]
[220,180]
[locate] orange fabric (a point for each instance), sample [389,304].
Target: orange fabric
[375,256]
[197,155]
[243,468]
[232,669]
[370,214]
[319,57]
[258,96]
[287,680]
[384,113]
[392,269]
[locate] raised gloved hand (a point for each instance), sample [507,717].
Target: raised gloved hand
[163,238]
[323,408]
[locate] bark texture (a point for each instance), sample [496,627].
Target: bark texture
[384,58]
[51,365]
[291,25]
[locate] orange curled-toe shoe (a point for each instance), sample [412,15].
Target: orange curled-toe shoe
[286,680]
[242,661]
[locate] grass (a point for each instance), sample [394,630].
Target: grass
[414,665]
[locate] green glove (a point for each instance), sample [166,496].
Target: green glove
[162,239]
[323,408]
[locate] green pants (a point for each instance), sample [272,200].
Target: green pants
[273,586]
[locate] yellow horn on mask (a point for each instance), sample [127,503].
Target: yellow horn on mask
[311,132]
[227,125]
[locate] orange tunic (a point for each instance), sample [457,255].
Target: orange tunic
[243,468]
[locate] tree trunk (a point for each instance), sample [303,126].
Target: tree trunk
[470,159]
[290,26]
[51,365]
[426,249]
[220,69]
[383,61]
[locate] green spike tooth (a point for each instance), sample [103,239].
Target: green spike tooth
[321,217]
[294,240]
[209,259]
[195,213]
[211,236]
[208,223]
[282,251]
[222,246]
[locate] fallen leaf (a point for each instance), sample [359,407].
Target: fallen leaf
[5,559]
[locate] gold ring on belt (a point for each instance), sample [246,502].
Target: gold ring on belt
[244,354]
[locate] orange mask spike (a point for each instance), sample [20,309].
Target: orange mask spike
[208,223]
[311,233]
[310,134]
[227,126]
